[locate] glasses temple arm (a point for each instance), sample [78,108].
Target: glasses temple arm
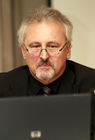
[63,46]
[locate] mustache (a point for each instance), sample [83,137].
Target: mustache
[45,62]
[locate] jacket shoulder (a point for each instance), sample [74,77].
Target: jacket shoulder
[15,72]
[80,69]
[84,76]
[12,82]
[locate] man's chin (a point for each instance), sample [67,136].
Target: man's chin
[45,74]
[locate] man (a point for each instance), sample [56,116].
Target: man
[45,41]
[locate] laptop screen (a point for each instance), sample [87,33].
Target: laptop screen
[45,118]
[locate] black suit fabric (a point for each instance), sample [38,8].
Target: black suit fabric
[76,79]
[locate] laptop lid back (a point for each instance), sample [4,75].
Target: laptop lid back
[45,118]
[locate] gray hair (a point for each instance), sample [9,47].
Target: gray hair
[41,14]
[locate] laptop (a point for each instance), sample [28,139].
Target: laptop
[62,117]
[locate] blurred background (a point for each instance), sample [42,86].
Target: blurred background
[80,12]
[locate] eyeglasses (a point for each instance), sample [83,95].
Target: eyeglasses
[51,49]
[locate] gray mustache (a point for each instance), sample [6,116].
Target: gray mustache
[45,62]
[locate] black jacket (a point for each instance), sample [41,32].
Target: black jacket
[15,82]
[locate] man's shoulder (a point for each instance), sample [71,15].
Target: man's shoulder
[14,82]
[15,72]
[80,68]
[84,77]
[82,72]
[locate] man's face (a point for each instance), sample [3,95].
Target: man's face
[44,66]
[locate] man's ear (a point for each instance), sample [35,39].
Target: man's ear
[23,51]
[69,50]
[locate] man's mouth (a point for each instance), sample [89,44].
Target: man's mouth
[45,65]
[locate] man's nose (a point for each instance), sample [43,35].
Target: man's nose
[44,54]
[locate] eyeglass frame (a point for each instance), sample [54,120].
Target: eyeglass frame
[60,49]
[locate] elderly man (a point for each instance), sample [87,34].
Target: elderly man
[45,41]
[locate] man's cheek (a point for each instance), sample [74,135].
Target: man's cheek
[34,58]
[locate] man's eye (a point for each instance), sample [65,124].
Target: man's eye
[53,46]
[35,46]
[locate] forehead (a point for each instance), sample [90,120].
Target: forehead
[45,31]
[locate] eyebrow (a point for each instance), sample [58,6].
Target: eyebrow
[50,42]
[53,42]
[34,43]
